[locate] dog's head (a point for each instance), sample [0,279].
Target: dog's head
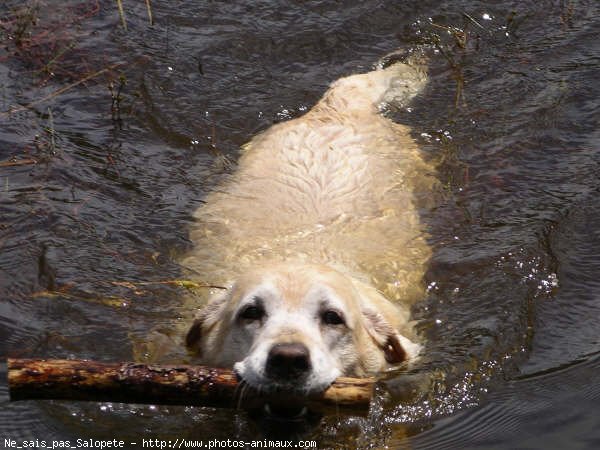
[298,327]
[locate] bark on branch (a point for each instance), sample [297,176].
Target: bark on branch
[159,384]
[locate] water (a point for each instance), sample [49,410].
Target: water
[510,117]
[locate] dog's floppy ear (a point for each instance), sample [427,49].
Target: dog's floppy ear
[381,319]
[384,335]
[206,319]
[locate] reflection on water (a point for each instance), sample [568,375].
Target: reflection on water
[510,117]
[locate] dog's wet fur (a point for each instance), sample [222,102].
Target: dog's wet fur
[318,237]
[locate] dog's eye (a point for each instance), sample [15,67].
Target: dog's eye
[331,317]
[252,312]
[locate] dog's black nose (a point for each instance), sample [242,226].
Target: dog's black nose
[288,361]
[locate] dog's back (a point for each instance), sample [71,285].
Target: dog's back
[336,186]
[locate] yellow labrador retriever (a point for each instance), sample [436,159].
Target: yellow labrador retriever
[318,236]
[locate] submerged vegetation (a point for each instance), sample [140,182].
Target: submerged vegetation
[45,43]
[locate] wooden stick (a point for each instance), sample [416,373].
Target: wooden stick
[160,384]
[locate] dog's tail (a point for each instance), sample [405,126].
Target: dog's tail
[397,79]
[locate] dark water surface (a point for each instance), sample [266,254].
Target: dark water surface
[512,314]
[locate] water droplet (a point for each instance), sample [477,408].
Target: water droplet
[284,114]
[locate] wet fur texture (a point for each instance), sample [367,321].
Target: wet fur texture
[319,222]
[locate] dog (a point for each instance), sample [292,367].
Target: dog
[318,237]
